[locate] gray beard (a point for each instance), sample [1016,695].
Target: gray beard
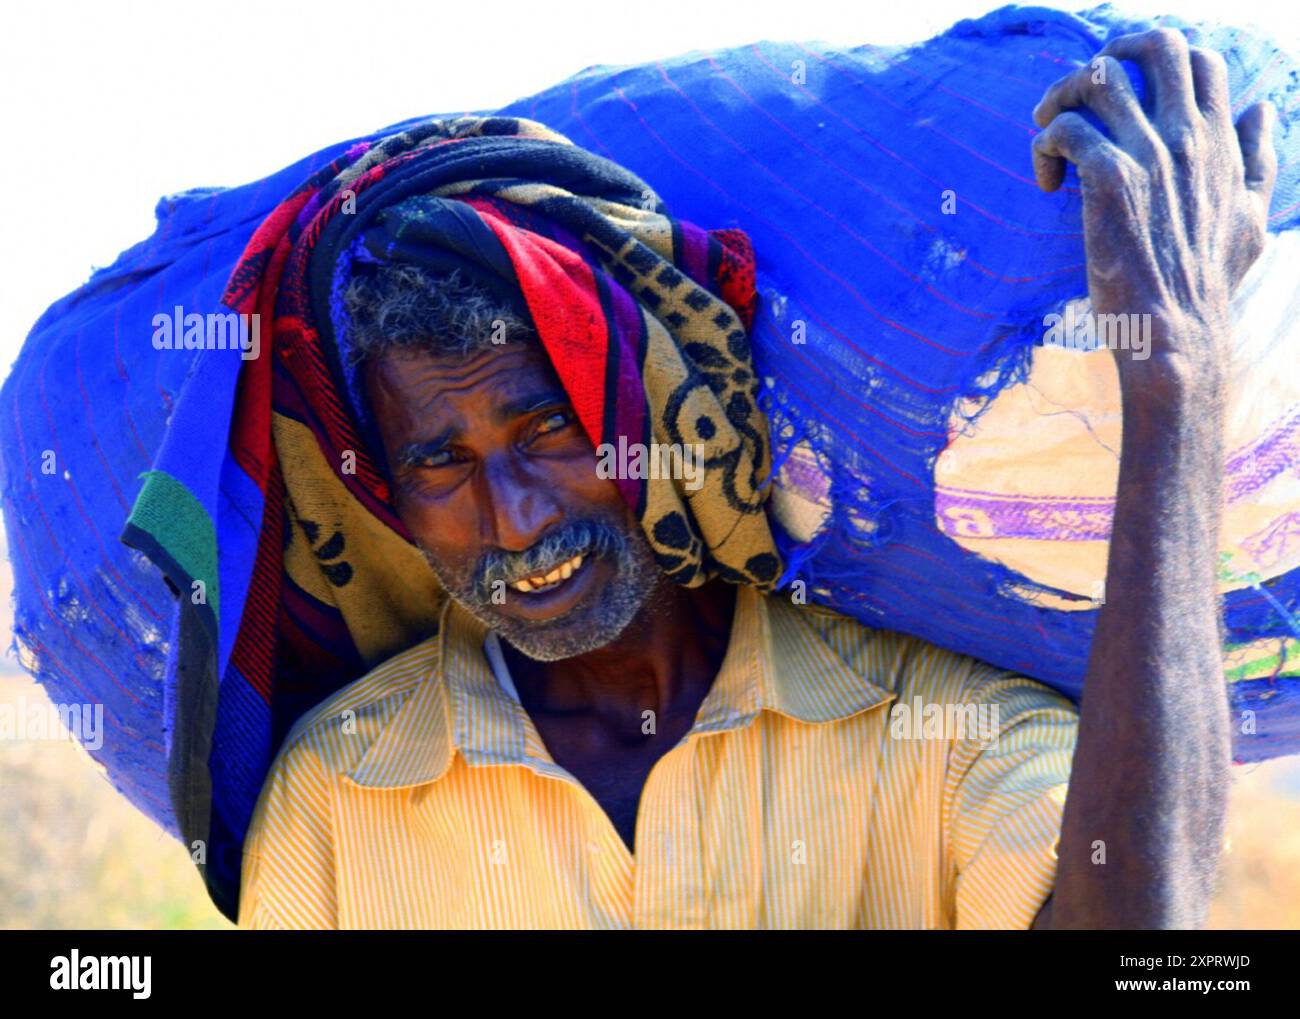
[589,625]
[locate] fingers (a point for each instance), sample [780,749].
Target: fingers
[1071,137]
[1210,81]
[1102,86]
[1163,56]
[1255,134]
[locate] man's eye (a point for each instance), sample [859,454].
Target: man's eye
[439,459]
[554,421]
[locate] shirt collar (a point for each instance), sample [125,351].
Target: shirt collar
[776,660]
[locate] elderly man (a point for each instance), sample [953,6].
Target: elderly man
[589,741]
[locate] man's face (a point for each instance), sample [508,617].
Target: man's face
[496,480]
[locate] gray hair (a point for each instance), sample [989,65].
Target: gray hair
[398,306]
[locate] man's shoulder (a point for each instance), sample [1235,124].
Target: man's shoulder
[890,658]
[911,667]
[338,731]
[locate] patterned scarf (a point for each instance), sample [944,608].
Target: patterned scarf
[645,319]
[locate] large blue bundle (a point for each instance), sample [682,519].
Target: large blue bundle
[906,263]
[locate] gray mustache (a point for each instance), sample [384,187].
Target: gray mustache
[590,538]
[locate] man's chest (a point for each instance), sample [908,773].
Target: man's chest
[616,787]
[774,825]
[612,768]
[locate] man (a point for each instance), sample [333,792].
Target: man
[585,743]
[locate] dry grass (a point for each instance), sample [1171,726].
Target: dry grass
[1260,874]
[75,854]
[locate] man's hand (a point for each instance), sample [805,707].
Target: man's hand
[1175,201]
[1174,207]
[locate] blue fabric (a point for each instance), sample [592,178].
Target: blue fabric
[839,184]
[837,179]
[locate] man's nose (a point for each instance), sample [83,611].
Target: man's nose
[519,505]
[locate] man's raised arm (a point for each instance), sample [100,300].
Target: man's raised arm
[1175,203]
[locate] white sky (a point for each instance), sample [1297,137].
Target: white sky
[104,107]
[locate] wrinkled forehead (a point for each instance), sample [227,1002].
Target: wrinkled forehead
[420,390]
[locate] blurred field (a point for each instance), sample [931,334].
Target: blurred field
[1260,875]
[75,854]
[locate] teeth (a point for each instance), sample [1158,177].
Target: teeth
[562,572]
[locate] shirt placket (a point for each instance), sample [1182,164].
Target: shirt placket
[668,873]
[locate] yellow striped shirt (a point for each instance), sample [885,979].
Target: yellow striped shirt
[835,776]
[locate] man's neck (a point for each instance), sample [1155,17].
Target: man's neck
[664,661]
